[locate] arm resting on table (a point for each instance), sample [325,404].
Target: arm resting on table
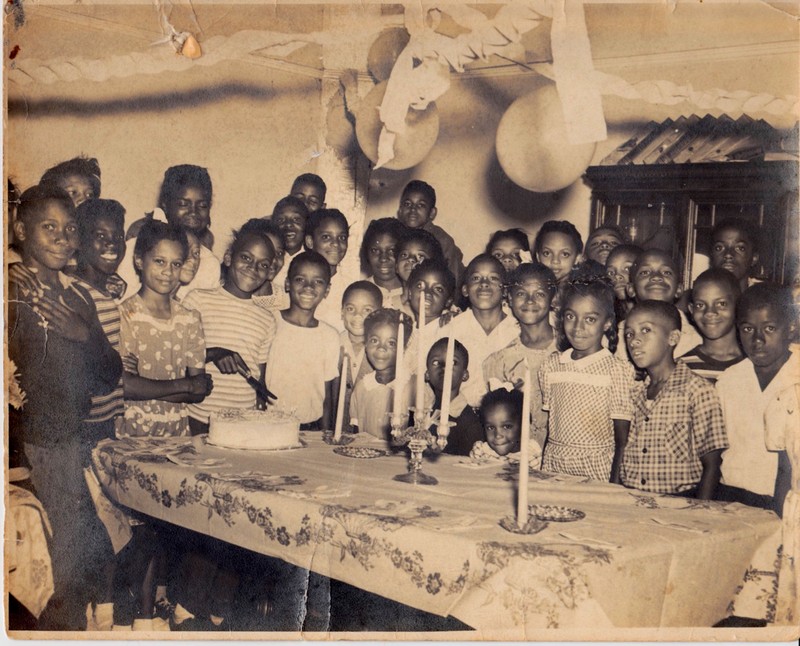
[712,464]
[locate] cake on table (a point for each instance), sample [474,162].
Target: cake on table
[254,430]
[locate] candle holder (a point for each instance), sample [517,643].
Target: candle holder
[418,439]
[344,439]
[532,526]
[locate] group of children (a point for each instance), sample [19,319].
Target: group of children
[151,336]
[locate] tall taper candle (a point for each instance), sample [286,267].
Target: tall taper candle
[524,442]
[337,429]
[419,402]
[399,377]
[447,386]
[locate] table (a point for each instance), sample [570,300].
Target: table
[634,560]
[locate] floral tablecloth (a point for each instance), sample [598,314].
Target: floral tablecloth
[632,560]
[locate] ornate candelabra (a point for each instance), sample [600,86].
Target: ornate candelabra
[419,438]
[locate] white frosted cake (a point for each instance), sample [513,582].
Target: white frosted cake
[254,430]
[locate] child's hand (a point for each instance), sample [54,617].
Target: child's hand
[25,278]
[447,315]
[200,384]
[229,362]
[130,363]
[62,320]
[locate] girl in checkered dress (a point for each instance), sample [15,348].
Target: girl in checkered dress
[585,388]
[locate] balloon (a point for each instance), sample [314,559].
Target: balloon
[411,147]
[532,144]
[384,52]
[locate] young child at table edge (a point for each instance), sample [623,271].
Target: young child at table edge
[501,415]
[303,362]
[677,434]
[238,333]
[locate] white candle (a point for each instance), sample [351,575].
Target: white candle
[447,386]
[420,400]
[524,441]
[399,376]
[337,429]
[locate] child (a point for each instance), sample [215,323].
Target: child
[303,361]
[190,267]
[373,395]
[558,246]
[272,294]
[417,210]
[734,249]
[290,216]
[510,247]
[327,233]
[164,337]
[766,323]
[585,388]
[48,433]
[79,177]
[311,190]
[618,269]
[501,415]
[713,306]
[378,259]
[466,429]
[359,301]
[414,246]
[602,241]
[238,333]
[655,276]
[484,328]
[530,289]
[677,434]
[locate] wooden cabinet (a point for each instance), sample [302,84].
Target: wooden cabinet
[675,206]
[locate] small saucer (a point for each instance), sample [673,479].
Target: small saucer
[344,438]
[533,526]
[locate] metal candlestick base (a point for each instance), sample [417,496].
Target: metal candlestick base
[418,439]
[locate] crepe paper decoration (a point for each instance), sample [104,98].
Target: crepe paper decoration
[533,146]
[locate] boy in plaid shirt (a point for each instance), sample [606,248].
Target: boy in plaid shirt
[677,434]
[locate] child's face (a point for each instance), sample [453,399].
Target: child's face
[530,301]
[649,339]
[436,296]
[105,248]
[329,240]
[292,224]
[358,305]
[415,210]
[409,256]
[49,237]
[713,309]
[380,255]
[280,256]
[507,251]
[248,264]
[557,251]
[381,346]
[78,187]
[656,278]
[192,263]
[732,251]
[483,286]
[502,429]
[765,337]
[585,322]
[190,209]
[310,195]
[618,269]
[307,286]
[600,244]
[161,267]
[435,369]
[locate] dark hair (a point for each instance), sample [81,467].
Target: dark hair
[718,276]
[316,219]
[389,316]
[763,295]
[261,226]
[625,247]
[609,227]
[434,265]
[418,186]
[382,226]
[36,198]
[177,178]
[484,257]
[676,265]
[153,232]
[587,270]
[309,258]
[87,167]
[422,237]
[558,226]
[598,288]
[517,235]
[313,180]
[457,347]
[535,270]
[502,397]
[90,211]
[252,227]
[290,201]
[666,311]
[748,230]
[363,286]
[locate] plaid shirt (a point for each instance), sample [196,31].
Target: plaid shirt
[668,437]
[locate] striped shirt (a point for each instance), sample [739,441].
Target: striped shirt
[705,366]
[241,326]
